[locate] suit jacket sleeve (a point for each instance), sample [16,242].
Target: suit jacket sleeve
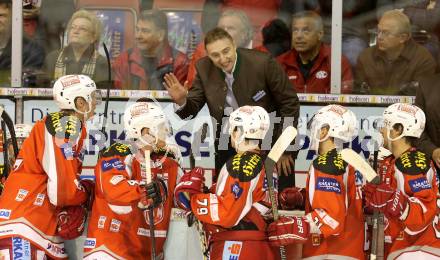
[194,101]
[424,143]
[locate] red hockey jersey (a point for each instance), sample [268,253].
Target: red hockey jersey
[334,202]
[45,177]
[418,230]
[117,227]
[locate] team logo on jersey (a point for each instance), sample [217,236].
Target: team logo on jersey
[112,164]
[21,194]
[328,185]
[5,213]
[116,179]
[232,250]
[321,74]
[115,225]
[90,243]
[419,184]
[237,190]
[17,164]
[39,199]
[101,221]
[21,248]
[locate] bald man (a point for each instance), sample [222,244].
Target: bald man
[396,64]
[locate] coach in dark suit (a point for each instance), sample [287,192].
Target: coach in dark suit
[229,78]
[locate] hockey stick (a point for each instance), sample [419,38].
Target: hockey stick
[355,160]
[149,178]
[192,163]
[274,155]
[107,98]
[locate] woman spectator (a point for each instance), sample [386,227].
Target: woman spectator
[80,56]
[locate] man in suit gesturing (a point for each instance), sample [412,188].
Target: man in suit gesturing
[230,77]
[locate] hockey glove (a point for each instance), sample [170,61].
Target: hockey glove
[292,198]
[288,230]
[89,187]
[153,194]
[70,222]
[377,196]
[396,206]
[190,183]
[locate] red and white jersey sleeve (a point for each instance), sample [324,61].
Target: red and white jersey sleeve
[240,184]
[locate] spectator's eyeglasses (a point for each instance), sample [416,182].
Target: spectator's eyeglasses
[386,33]
[79,28]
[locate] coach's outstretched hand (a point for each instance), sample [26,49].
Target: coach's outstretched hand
[177,92]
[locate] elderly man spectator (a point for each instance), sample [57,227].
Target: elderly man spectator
[397,63]
[237,24]
[80,56]
[308,63]
[145,65]
[33,54]
[231,77]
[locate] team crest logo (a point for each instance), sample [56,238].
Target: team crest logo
[321,74]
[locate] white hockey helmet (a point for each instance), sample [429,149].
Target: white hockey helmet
[411,117]
[146,115]
[67,88]
[21,131]
[253,123]
[342,124]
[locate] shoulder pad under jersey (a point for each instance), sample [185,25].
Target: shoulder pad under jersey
[413,162]
[330,163]
[245,166]
[117,149]
[62,125]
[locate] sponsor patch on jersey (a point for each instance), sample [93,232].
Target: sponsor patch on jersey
[21,194]
[143,232]
[328,185]
[321,74]
[101,221]
[112,164]
[419,184]
[237,190]
[55,249]
[116,179]
[90,243]
[67,151]
[39,199]
[5,213]
[232,250]
[115,225]
[359,179]
[4,254]
[21,248]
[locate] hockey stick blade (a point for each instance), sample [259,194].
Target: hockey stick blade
[355,160]
[274,155]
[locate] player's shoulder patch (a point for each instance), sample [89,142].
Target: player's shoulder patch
[62,125]
[245,166]
[117,149]
[330,163]
[413,162]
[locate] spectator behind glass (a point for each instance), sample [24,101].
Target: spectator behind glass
[33,54]
[276,38]
[145,65]
[80,56]
[308,63]
[237,24]
[396,64]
